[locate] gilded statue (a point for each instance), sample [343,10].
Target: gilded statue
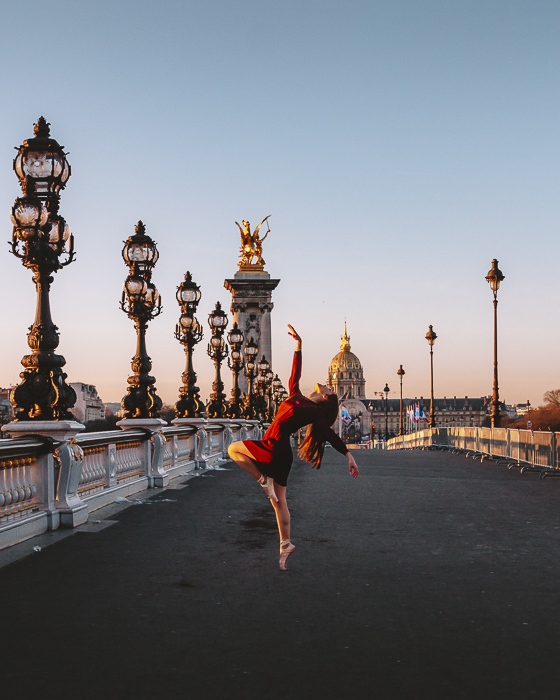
[251,243]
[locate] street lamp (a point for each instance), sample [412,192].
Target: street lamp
[188,332]
[386,390]
[494,279]
[269,400]
[401,373]
[251,350]
[218,350]
[277,389]
[431,338]
[141,302]
[41,239]
[235,363]
[263,366]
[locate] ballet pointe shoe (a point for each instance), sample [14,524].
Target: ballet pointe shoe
[268,486]
[286,548]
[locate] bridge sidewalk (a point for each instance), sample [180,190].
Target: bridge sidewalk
[429,576]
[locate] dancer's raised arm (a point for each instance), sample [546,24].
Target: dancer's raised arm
[295,335]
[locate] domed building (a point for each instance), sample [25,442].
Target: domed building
[346,374]
[346,377]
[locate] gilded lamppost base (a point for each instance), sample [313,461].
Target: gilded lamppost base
[43,395]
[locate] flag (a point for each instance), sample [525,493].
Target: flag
[419,413]
[345,417]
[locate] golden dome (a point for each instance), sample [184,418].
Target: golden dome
[345,360]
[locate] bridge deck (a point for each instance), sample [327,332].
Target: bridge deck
[429,576]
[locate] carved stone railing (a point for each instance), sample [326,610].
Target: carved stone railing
[45,484]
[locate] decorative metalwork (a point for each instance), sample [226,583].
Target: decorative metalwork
[235,363]
[141,302]
[278,392]
[251,350]
[41,239]
[494,278]
[188,332]
[251,244]
[218,350]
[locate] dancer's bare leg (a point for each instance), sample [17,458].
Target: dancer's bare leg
[283,521]
[282,512]
[241,456]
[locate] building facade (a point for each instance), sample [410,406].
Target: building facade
[385,414]
[88,406]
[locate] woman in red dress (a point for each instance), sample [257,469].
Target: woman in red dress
[269,460]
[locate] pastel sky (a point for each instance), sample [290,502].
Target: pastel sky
[399,146]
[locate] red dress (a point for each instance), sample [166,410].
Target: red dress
[274,453]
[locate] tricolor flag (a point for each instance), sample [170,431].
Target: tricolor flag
[419,413]
[345,417]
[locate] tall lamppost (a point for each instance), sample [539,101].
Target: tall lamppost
[251,350]
[269,400]
[276,392]
[263,367]
[401,373]
[218,350]
[494,279]
[141,302]
[41,239]
[188,332]
[386,391]
[431,338]
[235,363]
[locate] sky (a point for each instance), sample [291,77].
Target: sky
[398,145]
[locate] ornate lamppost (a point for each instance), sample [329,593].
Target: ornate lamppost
[401,373]
[218,350]
[269,399]
[251,351]
[235,363]
[263,366]
[431,338]
[494,279]
[277,389]
[141,302]
[386,391]
[41,239]
[188,332]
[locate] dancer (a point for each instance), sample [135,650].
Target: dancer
[269,460]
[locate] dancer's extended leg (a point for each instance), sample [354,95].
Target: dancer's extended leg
[283,521]
[241,456]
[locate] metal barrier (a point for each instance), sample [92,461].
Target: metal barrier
[530,451]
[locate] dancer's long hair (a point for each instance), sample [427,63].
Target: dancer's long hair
[313,446]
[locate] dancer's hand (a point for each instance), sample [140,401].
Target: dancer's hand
[352,466]
[295,335]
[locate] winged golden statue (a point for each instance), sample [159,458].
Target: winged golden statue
[251,243]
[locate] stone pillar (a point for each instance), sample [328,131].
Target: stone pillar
[251,305]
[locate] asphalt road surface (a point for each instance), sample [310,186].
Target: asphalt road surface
[429,576]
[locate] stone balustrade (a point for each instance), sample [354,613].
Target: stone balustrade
[47,483]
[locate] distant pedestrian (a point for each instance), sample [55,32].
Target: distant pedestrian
[269,460]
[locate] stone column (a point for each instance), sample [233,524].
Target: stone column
[251,305]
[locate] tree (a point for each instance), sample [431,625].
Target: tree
[552,397]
